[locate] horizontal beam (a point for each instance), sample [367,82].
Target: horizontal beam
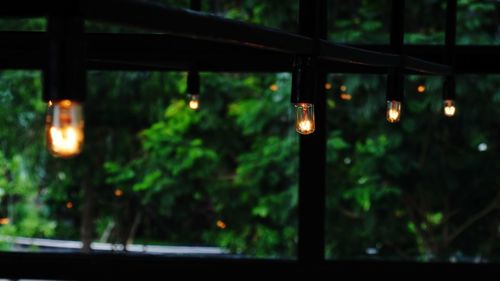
[27,50]
[192,24]
[68,266]
[469,58]
[25,8]
[208,27]
[425,67]
[354,55]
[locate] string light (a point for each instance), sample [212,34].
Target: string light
[328,86]
[449,107]
[395,92]
[194,102]
[118,192]
[421,88]
[220,224]
[64,128]
[274,87]
[193,89]
[345,96]
[302,96]
[393,113]
[65,86]
[304,118]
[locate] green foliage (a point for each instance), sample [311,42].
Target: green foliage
[408,189]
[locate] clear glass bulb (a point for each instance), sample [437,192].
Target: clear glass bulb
[393,113]
[304,118]
[449,108]
[64,128]
[194,102]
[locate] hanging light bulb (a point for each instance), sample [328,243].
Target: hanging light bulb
[421,88]
[65,86]
[194,102]
[302,97]
[64,128]
[395,91]
[449,108]
[393,113]
[193,89]
[274,87]
[304,118]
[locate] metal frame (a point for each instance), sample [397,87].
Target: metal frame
[230,45]
[209,28]
[124,266]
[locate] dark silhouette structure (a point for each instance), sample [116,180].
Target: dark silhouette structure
[191,39]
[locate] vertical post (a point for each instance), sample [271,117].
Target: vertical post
[193,79]
[397,25]
[395,79]
[312,162]
[451,27]
[65,77]
[450,41]
[64,72]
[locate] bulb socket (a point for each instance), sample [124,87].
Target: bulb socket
[304,76]
[395,86]
[449,88]
[193,82]
[64,75]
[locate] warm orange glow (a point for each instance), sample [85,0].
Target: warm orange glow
[69,205]
[118,192]
[304,118]
[65,103]
[220,224]
[345,96]
[328,86]
[4,221]
[421,88]
[305,125]
[343,88]
[64,128]
[194,102]
[393,114]
[449,108]
[274,87]
[65,141]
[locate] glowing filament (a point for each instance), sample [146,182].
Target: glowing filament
[64,128]
[304,118]
[393,113]
[449,108]
[194,102]
[64,140]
